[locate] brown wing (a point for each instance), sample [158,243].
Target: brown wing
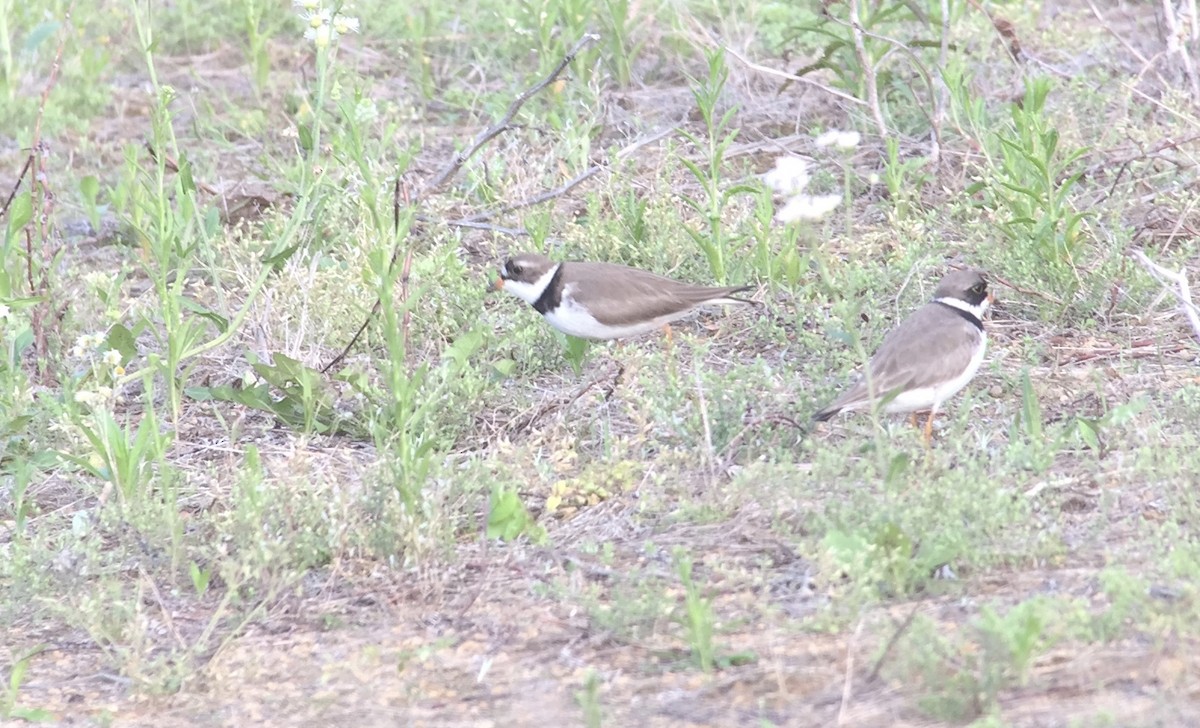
[911,358]
[629,295]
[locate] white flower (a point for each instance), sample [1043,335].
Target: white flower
[317,18]
[808,207]
[306,4]
[112,357]
[840,139]
[321,36]
[86,344]
[789,177]
[4,312]
[344,24]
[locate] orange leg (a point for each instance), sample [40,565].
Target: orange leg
[929,429]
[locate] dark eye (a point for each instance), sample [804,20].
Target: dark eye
[978,288]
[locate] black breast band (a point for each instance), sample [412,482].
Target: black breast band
[552,294]
[965,315]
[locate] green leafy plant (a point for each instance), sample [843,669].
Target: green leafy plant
[697,614]
[508,518]
[712,238]
[1035,446]
[589,701]
[1031,186]
[885,560]
[904,179]
[8,699]
[897,68]
[125,456]
[296,394]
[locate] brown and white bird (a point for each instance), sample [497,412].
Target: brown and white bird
[929,357]
[605,300]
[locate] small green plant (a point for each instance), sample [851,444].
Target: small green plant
[124,456]
[898,70]
[259,25]
[8,700]
[965,673]
[884,560]
[508,518]
[1032,187]
[1038,452]
[1035,446]
[296,394]
[904,179]
[697,616]
[589,701]
[1010,642]
[201,576]
[1026,180]
[712,238]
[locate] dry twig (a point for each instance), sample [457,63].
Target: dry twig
[1177,46]
[613,378]
[887,649]
[16,185]
[860,49]
[1176,283]
[505,122]
[571,184]
[792,77]
[42,194]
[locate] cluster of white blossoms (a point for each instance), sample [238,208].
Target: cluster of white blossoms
[93,398]
[322,24]
[86,344]
[790,177]
[839,139]
[86,347]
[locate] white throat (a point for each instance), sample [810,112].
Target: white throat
[961,305]
[531,292]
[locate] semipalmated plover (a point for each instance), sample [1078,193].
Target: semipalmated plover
[929,357]
[605,300]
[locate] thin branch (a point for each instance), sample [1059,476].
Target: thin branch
[474,225]
[792,77]
[848,680]
[538,198]
[505,122]
[39,188]
[1176,45]
[571,184]
[941,99]
[860,49]
[612,376]
[1009,284]
[17,184]
[892,642]
[1177,284]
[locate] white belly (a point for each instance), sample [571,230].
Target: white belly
[570,318]
[931,398]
